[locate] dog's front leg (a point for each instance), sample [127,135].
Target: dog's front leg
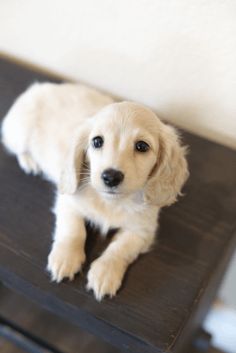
[106,273]
[67,254]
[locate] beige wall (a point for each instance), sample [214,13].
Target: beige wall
[179,57]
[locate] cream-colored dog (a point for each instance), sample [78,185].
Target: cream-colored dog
[115,164]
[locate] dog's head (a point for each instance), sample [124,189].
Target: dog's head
[128,150]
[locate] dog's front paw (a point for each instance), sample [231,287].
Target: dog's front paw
[105,277]
[28,164]
[64,261]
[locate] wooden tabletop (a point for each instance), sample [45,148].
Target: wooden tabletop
[165,293]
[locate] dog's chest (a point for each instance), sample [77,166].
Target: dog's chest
[106,213]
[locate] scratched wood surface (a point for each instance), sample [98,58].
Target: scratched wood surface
[166,293]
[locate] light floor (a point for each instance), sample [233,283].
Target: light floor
[221,323]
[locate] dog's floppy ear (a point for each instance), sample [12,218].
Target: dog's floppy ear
[171,170]
[70,174]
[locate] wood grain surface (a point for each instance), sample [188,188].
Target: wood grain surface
[46,326]
[166,293]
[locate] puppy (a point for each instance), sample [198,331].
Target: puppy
[115,164]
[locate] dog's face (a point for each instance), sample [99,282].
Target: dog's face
[122,149]
[128,150]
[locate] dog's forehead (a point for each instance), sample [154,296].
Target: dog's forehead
[128,115]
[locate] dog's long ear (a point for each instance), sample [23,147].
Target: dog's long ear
[171,170]
[70,174]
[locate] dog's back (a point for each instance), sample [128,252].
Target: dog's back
[39,126]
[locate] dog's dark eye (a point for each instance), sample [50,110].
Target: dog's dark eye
[97,142]
[141,146]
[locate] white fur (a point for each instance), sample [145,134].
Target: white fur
[49,129]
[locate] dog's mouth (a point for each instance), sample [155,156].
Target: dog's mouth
[112,193]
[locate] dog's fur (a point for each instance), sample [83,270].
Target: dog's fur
[49,129]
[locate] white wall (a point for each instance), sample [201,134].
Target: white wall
[179,57]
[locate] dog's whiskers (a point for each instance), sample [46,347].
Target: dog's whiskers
[85,181]
[83,186]
[85,173]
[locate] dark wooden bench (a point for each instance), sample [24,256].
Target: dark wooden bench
[166,293]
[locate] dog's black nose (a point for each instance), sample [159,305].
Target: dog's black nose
[112,177]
